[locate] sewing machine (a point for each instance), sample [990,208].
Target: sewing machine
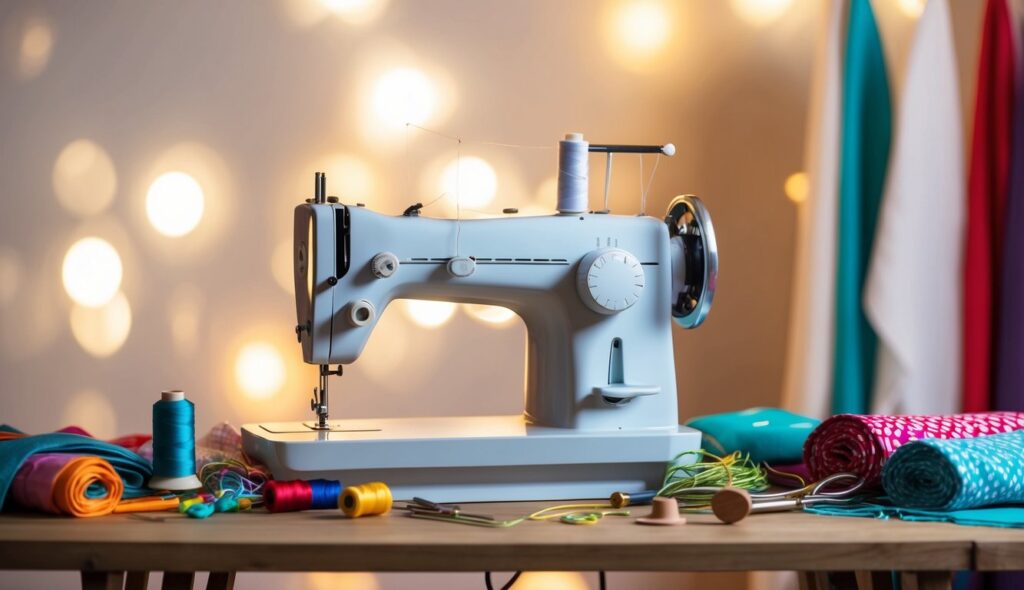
[596,292]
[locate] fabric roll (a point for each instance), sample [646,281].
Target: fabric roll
[859,444]
[986,201]
[767,435]
[60,483]
[867,126]
[133,470]
[808,378]
[956,474]
[917,255]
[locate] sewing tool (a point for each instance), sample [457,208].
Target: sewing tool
[293,496]
[147,504]
[664,512]
[366,499]
[691,471]
[595,292]
[174,443]
[582,514]
[734,504]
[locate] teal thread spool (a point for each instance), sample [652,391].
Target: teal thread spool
[174,443]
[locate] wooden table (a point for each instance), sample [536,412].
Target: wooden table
[104,549]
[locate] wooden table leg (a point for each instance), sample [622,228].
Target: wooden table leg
[221,581]
[813,580]
[927,580]
[102,580]
[178,580]
[137,581]
[872,580]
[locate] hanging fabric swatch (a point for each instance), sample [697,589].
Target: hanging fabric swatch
[60,483]
[986,201]
[861,444]
[808,380]
[864,155]
[913,296]
[1010,350]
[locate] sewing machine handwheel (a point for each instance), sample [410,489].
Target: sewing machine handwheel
[694,260]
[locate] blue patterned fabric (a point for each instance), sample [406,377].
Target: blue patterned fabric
[133,469]
[1009,517]
[954,474]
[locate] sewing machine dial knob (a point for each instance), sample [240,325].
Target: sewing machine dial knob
[610,280]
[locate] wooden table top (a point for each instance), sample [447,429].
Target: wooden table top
[327,541]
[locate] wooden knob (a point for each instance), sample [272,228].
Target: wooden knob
[731,505]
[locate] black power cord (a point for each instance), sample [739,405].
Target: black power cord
[508,584]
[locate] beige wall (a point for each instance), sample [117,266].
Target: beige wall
[251,102]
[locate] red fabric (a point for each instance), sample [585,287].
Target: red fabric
[861,444]
[986,202]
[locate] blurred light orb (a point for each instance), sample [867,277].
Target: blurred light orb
[259,370]
[92,411]
[760,12]
[92,272]
[281,266]
[102,331]
[547,580]
[640,29]
[185,308]
[356,12]
[10,275]
[911,8]
[797,187]
[469,180]
[35,47]
[342,581]
[490,314]
[174,204]
[404,95]
[429,314]
[84,178]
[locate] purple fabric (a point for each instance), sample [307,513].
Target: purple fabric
[32,487]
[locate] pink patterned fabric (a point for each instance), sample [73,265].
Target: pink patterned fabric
[858,444]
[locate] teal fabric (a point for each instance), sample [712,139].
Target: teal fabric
[133,469]
[955,474]
[767,434]
[864,157]
[1009,517]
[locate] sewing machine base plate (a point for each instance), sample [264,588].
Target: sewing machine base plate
[470,459]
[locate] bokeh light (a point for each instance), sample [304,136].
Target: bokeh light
[102,331]
[10,275]
[282,266]
[356,12]
[91,272]
[92,411]
[428,314]
[547,580]
[639,31]
[797,187]
[260,370]
[760,12]
[490,314]
[35,47]
[184,314]
[471,181]
[911,8]
[174,204]
[404,95]
[342,581]
[84,178]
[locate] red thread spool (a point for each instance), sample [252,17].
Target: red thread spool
[287,496]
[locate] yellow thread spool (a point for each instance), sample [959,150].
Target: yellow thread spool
[365,499]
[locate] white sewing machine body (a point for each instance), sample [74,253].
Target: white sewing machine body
[595,292]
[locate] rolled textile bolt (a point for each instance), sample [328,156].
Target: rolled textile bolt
[731,505]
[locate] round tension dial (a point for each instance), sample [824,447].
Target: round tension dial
[609,280]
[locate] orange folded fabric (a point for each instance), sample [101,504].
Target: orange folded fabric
[75,485]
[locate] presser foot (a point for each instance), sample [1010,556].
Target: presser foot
[319,402]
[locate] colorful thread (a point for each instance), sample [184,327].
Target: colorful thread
[366,499]
[296,495]
[174,443]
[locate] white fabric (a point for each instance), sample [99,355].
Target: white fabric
[913,291]
[808,381]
